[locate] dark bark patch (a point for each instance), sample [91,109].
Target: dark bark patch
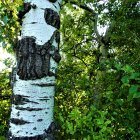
[18,121]
[57,36]
[52,18]
[19,99]
[51,74]
[56,56]
[33,60]
[50,132]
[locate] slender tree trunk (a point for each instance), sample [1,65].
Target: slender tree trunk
[37,57]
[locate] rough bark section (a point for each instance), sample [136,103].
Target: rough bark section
[49,134]
[33,60]
[52,18]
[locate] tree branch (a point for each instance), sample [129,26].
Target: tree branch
[95,15]
[82,6]
[95,27]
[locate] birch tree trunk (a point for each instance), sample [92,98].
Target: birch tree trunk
[37,57]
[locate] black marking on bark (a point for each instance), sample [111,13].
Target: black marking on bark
[53,1]
[33,22]
[19,99]
[18,113]
[45,98]
[57,36]
[55,6]
[28,109]
[56,56]
[59,5]
[32,102]
[33,6]
[52,18]
[40,120]
[34,128]
[18,121]
[44,85]
[33,60]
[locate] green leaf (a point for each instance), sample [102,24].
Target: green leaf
[128,69]
[5,19]
[118,66]
[2,138]
[125,79]
[133,92]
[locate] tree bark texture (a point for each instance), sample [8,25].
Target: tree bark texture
[37,55]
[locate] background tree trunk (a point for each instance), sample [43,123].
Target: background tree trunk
[34,84]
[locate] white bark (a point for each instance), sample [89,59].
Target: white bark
[37,109]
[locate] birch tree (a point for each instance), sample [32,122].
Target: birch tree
[37,53]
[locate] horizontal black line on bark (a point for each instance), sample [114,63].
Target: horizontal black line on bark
[20,99]
[45,98]
[18,121]
[33,22]
[44,85]
[40,120]
[29,109]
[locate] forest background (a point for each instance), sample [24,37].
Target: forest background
[98,80]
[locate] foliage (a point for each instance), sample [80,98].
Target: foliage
[98,90]
[5,92]
[9,25]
